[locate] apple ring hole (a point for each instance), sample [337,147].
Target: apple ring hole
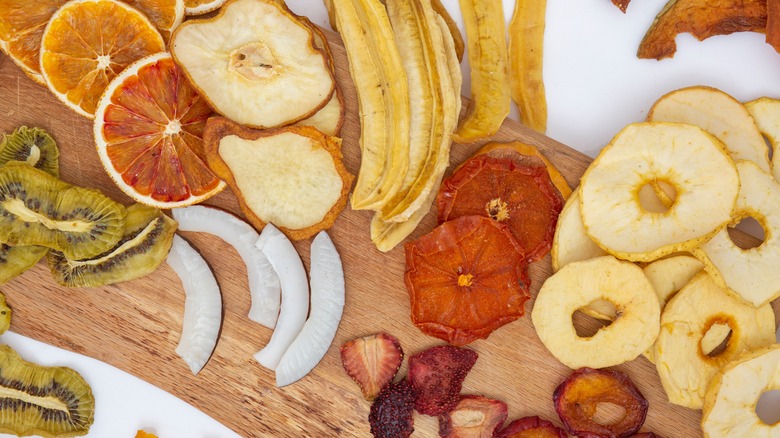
[607,413]
[587,326]
[768,407]
[716,339]
[657,196]
[755,229]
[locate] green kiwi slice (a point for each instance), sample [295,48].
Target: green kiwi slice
[5,315]
[33,146]
[45,401]
[144,245]
[39,209]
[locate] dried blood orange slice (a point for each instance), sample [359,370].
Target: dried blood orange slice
[86,43]
[522,197]
[465,279]
[148,130]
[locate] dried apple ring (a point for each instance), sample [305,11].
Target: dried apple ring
[577,285]
[684,368]
[643,154]
[571,243]
[751,273]
[729,406]
[577,398]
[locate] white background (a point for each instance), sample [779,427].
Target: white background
[595,86]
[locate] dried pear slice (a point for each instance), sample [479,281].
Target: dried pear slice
[292,177]
[16,259]
[5,315]
[255,63]
[683,366]
[683,156]
[717,113]
[45,401]
[750,273]
[144,245]
[38,209]
[487,53]
[33,146]
[766,113]
[383,96]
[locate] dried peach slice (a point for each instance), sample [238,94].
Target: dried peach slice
[291,177]
[531,427]
[520,196]
[465,279]
[577,398]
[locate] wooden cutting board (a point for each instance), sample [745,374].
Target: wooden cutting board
[135,326]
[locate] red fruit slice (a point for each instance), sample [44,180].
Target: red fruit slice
[531,427]
[372,362]
[465,279]
[391,414]
[437,375]
[519,196]
[576,400]
[473,417]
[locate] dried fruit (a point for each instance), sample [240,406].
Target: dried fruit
[16,259]
[720,115]
[703,20]
[684,367]
[773,24]
[291,177]
[202,305]
[473,417]
[465,279]
[87,43]
[730,404]
[372,361]
[750,273]
[520,196]
[579,284]
[621,4]
[46,401]
[487,53]
[33,146]
[5,315]
[255,63]
[452,27]
[383,94]
[577,398]
[198,7]
[143,247]
[391,413]
[165,15]
[148,130]
[531,427]
[526,53]
[766,113]
[644,153]
[38,209]
[437,375]
[571,242]
[144,434]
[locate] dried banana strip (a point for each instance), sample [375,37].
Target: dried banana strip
[383,96]
[526,50]
[487,51]
[457,38]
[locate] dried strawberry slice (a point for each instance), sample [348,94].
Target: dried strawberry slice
[531,427]
[437,375]
[391,414]
[473,417]
[576,400]
[372,361]
[465,279]
[522,197]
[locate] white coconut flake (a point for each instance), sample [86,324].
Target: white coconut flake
[295,294]
[327,305]
[202,305]
[264,288]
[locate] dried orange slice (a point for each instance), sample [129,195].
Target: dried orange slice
[87,43]
[522,197]
[148,130]
[197,7]
[465,279]
[166,15]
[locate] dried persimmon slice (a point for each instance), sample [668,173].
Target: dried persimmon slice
[465,279]
[522,197]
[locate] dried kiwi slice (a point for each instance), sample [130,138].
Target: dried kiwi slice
[16,259]
[38,209]
[45,401]
[5,315]
[33,146]
[144,245]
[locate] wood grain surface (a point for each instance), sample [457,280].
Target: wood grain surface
[135,326]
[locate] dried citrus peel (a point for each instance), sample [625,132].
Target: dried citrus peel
[292,177]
